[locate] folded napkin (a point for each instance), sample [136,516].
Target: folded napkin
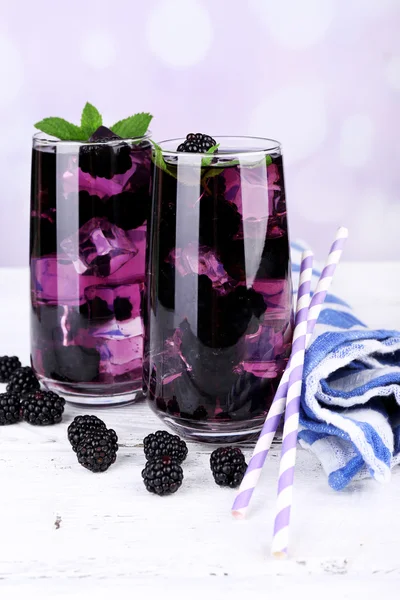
[350,415]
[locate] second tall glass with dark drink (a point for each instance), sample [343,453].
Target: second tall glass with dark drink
[219,303]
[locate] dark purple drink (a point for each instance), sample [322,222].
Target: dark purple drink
[89,209]
[218,332]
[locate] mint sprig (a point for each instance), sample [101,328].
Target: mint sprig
[135,126]
[61,129]
[91,120]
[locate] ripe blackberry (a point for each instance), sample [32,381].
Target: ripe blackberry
[229,320]
[22,380]
[200,414]
[43,240]
[42,408]
[72,363]
[161,443]
[90,206]
[105,160]
[122,308]
[196,142]
[8,364]
[100,266]
[220,222]
[97,310]
[97,450]
[82,425]
[9,409]
[228,466]
[129,210]
[162,476]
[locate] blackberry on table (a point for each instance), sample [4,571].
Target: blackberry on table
[9,409]
[82,425]
[161,443]
[8,364]
[162,476]
[97,450]
[42,408]
[196,142]
[22,380]
[228,466]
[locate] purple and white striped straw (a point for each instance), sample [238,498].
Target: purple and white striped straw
[289,439]
[284,501]
[263,445]
[325,280]
[277,409]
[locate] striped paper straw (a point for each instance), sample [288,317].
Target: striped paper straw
[261,449]
[264,442]
[277,409]
[325,280]
[289,439]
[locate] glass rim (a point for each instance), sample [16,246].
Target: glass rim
[45,139]
[266,146]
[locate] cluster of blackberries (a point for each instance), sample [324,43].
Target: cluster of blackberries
[24,399]
[127,210]
[196,142]
[165,453]
[102,158]
[95,446]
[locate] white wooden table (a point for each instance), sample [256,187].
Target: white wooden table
[65,532]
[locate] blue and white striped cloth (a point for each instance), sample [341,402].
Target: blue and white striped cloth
[350,408]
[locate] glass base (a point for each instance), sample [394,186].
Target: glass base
[234,432]
[95,394]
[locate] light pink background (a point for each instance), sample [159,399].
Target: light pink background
[322,76]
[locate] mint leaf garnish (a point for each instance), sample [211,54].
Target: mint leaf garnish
[158,158]
[135,126]
[91,120]
[268,160]
[61,128]
[207,161]
[213,149]
[212,172]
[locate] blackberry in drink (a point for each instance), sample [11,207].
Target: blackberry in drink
[219,307]
[89,208]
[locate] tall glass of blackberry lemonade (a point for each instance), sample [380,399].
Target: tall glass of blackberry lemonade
[89,206]
[219,304]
